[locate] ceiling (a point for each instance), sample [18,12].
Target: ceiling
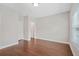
[18,7]
[46,9]
[43,9]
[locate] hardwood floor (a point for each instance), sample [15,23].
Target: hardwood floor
[37,48]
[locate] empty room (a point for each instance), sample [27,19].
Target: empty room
[39,29]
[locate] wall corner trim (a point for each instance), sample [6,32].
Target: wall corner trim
[1,47]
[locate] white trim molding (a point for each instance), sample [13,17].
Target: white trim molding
[73,52]
[54,41]
[1,47]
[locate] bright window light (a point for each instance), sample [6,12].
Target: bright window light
[35,4]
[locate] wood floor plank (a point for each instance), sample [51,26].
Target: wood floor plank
[37,47]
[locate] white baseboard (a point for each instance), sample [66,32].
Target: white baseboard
[72,49]
[54,40]
[1,47]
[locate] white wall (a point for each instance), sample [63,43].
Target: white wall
[11,26]
[74,37]
[53,27]
[26,28]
